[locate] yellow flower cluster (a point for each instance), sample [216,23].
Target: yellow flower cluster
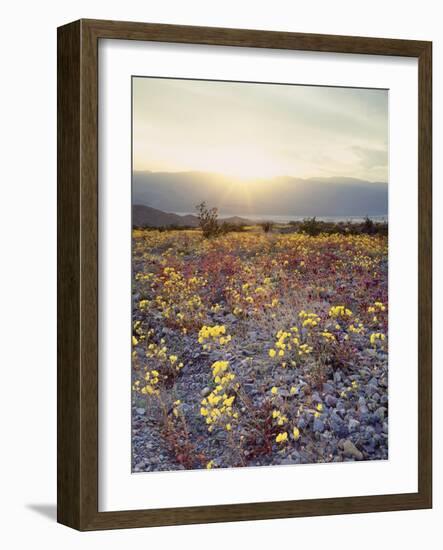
[217,407]
[340,311]
[285,342]
[282,437]
[143,276]
[160,367]
[356,328]
[304,349]
[160,352]
[378,306]
[309,320]
[251,296]
[377,337]
[176,407]
[138,335]
[279,417]
[289,342]
[319,410]
[144,304]
[353,387]
[149,385]
[213,335]
[178,298]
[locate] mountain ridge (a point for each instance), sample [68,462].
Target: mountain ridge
[282,195]
[146,216]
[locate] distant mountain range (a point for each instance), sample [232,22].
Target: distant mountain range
[145,216]
[281,196]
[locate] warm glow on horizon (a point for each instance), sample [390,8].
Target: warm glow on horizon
[253,131]
[241,164]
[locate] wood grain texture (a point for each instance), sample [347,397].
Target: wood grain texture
[68,275]
[254,38]
[78,271]
[425,273]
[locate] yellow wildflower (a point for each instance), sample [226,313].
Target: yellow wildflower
[281,437]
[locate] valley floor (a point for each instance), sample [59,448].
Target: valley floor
[258,349]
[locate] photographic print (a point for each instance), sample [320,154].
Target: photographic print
[259,274]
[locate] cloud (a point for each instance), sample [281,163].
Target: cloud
[259,129]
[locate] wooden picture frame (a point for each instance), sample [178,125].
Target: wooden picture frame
[78,274]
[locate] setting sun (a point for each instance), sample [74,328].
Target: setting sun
[249,131]
[243,164]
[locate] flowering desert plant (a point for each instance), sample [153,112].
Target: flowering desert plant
[247,346]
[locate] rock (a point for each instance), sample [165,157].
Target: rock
[328,388]
[369,432]
[316,398]
[373,419]
[140,410]
[318,425]
[302,423]
[205,391]
[338,426]
[361,401]
[381,413]
[351,451]
[337,376]
[230,318]
[377,439]
[330,400]
[369,446]
[353,425]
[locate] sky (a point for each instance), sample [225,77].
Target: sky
[248,131]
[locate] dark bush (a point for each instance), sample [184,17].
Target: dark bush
[227,227]
[267,226]
[368,226]
[311,226]
[208,220]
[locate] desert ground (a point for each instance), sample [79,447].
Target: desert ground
[262,346]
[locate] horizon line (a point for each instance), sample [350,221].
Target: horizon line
[227,176]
